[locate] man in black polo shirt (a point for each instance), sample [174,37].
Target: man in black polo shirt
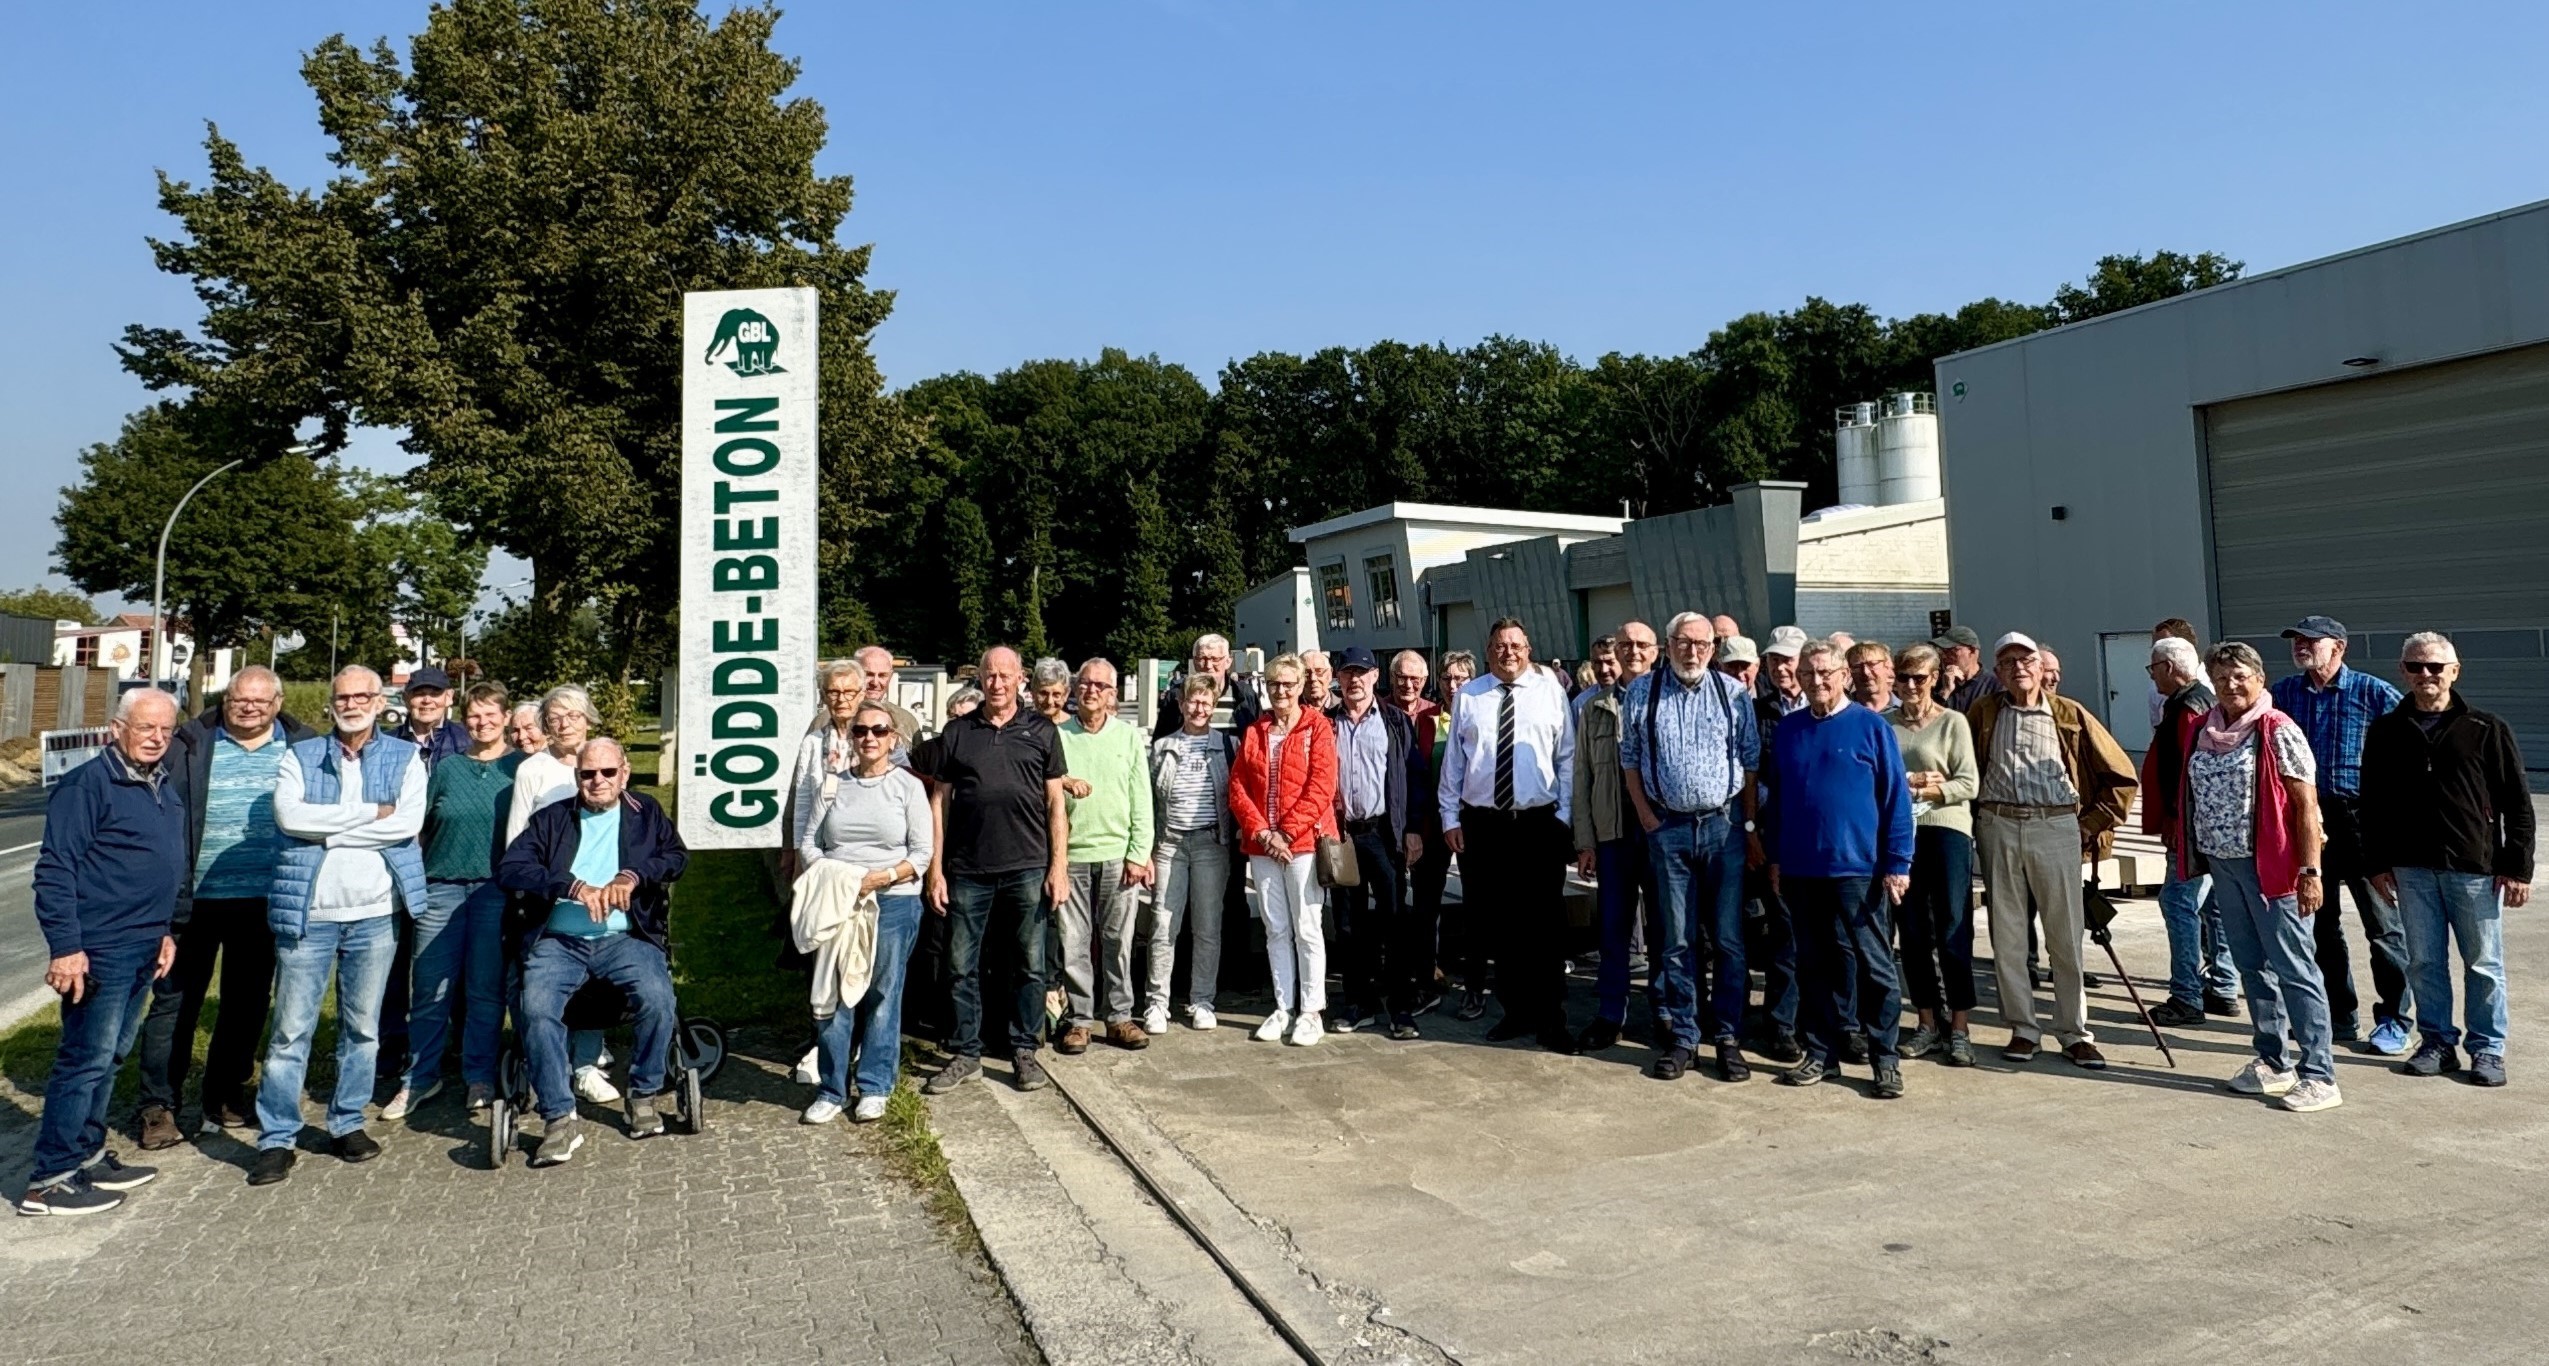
[999,867]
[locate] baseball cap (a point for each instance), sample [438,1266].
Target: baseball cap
[430,676]
[1356,657]
[2317,627]
[1957,635]
[2015,640]
[1787,640]
[1738,650]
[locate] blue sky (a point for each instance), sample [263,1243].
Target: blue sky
[1204,181]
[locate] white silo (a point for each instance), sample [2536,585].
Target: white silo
[1907,450]
[1855,453]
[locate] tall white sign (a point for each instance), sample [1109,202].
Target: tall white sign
[748,610]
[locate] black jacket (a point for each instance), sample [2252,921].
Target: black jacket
[2453,800]
[1172,712]
[1411,786]
[539,868]
[190,755]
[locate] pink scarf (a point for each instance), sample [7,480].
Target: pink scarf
[2225,734]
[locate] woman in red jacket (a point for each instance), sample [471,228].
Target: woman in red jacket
[1282,798]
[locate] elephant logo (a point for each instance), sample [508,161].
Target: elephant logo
[754,341]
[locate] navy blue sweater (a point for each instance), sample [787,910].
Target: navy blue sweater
[1840,807]
[114,856]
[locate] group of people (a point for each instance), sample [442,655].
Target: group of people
[439,876]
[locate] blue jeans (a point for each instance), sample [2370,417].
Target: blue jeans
[97,1033]
[1624,887]
[2198,954]
[2272,943]
[2438,907]
[873,1027]
[459,942]
[1938,923]
[1008,904]
[1699,881]
[357,953]
[1845,935]
[555,969]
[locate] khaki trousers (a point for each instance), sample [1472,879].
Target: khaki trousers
[2035,861]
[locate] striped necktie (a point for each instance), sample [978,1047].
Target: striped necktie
[1504,748]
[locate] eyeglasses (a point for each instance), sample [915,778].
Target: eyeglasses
[879,732]
[2430,668]
[595,775]
[1092,685]
[346,698]
[844,692]
[252,701]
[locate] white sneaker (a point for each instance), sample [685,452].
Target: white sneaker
[1308,1029]
[820,1112]
[1273,1026]
[870,1109]
[592,1085]
[407,1100]
[1200,1017]
[808,1069]
[2258,1079]
[2313,1094]
[1155,1023]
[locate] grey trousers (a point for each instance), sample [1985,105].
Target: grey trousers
[1101,907]
[2035,860]
[1191,870]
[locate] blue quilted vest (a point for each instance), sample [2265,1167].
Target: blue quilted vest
[296,870]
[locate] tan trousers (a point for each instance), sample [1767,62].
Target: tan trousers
[2035,862]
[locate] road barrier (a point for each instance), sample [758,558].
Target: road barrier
[65,750]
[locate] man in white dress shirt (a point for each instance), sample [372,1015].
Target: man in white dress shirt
[1505,802]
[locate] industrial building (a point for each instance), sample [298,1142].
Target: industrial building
[2365,436]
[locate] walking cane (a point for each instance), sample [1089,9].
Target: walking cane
[2100,914]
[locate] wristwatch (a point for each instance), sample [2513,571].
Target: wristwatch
[2307,870]
[1750,828]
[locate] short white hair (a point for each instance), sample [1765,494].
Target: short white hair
[573,698]
[2177,654]
[2431,640]
[1422,668]
[1681,619]
[1210,641]
[861,654]
[132,699]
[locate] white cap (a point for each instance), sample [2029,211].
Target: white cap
[1787,640]
[2015,640]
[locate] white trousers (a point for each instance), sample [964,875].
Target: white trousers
[1290,898]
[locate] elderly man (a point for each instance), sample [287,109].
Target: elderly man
[2201,979]
[228,759]
[1843,828]
[594,877]
[107,889]
[1611,847]
[2448,819]
[1110,862]
[1505,806]
[349,806]
[1211,656]
[876,684]
[2336,707]
[2055,786]
[1382,778]
[1002,864]
[1961,675]
[1725,628]
[1318,684]
[1739,659]
[1688,753]
[430,726]
[1770,937]
[1871,675]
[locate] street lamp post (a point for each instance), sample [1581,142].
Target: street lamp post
[159,581]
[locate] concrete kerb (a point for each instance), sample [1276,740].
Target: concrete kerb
[25,1007]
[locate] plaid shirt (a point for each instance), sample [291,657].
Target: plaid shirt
[2336,718]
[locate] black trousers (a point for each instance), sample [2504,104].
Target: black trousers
[233,931]
[1368,929]
[2383,932]
[1513,878]
[1446,942]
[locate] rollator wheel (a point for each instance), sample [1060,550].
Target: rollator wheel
[700,1044]
[694,1112]
[501,1123]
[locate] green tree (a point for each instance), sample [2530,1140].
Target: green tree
[2117,283]
[48,604]
[497,269]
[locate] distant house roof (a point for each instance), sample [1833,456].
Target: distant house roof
[1458,516]
[1842,520]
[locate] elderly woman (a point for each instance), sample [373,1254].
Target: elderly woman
[2252,808]
[874,817]
[1049,689]
[567,719]
[963,700]
[522,729]
[1282,798]
[1937,914]
[826,752]
[1190,789]
[1459,666]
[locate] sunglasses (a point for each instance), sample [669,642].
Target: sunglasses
[2431,668]
[879,732]
[595,775]
[1911,678]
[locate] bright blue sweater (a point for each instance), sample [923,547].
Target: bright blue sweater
[1839,805]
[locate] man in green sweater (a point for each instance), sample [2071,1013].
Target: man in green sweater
[1109,855]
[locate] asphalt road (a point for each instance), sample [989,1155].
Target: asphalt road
[21,946]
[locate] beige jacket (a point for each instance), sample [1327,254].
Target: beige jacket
[836,922]
[1601,804]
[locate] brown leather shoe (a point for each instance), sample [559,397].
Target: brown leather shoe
[2086,1054]
[1126,1034]
[159,1128]
[2019,1050]
[1074,1041]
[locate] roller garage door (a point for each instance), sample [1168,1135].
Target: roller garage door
[2397,503]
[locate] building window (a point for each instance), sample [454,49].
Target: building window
[84,651]
[1339,598]
[1380,574]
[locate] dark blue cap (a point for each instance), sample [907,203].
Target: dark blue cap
[1356,657]
[2316,627]
[430,676]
